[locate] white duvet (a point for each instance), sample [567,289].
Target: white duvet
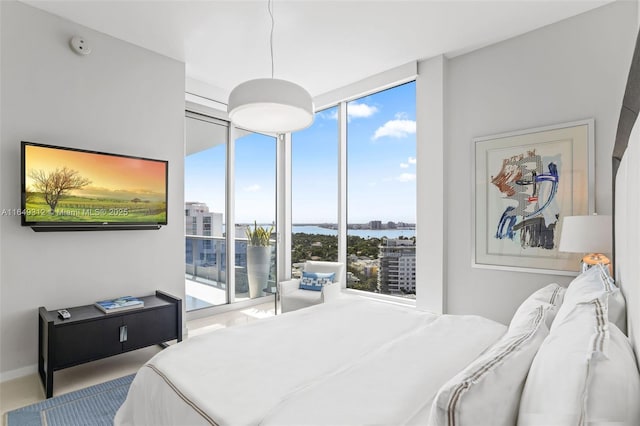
[351,362]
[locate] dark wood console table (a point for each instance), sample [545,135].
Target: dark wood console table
[90,334]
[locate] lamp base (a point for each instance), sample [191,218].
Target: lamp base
[594,259]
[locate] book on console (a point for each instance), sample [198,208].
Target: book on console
[120,304]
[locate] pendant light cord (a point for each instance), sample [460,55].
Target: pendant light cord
[270,8]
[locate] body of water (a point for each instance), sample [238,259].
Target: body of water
[363,233]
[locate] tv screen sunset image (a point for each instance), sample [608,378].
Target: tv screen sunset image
[64,185]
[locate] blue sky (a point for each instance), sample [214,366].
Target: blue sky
[381,156]
[381,166]
[381,153]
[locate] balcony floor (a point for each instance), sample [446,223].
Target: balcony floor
[205,294]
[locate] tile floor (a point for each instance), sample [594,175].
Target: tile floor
[28,390]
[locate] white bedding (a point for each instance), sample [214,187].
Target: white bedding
[353,361]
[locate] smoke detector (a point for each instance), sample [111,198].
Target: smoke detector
[80,45]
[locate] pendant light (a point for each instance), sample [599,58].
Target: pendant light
[270,105]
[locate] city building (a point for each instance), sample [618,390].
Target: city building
[204,256]
[200,221]
[397,271]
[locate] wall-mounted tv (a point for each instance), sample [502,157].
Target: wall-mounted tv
[68,189]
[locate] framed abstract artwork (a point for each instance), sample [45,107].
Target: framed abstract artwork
[526,182]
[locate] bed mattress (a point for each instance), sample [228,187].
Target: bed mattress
[353,361]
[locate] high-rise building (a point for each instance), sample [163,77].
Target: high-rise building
[397,273]
[205,257]
[200,221]
[375,224]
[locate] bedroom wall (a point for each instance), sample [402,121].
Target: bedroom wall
[568,71]
[121,99]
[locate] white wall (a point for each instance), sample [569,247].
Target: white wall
[430,175]
[571,70]
[120,99]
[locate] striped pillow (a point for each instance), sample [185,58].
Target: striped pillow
[487,392]
[551,296]
[590,285]
[584,373]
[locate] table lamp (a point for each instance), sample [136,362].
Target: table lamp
[587,234]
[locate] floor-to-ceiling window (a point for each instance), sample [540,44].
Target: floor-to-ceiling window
[378,138]
[205,201]
[314,199]
[255,206]
[381,200]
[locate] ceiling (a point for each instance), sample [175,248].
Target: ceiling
[321,45]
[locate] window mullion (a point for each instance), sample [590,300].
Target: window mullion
[284,230]
[231,215]
[342,188]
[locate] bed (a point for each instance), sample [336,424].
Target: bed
[283,369]
[563,359]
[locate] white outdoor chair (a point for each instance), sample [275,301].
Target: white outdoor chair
[292,297]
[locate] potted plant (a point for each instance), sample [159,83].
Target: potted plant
[258,258]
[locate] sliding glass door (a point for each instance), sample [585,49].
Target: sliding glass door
[210,160]
[205,205]
[255,215]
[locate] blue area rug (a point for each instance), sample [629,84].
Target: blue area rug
[95,405]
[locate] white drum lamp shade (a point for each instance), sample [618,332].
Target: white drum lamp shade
[586,234]
[270,105]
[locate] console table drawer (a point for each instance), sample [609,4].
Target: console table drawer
[87,341]
[146,328]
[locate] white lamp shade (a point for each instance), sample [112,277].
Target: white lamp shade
[270,105]
[586,234]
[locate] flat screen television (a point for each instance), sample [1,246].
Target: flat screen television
[75,189]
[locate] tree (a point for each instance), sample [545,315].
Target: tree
[28,195]
[54,185]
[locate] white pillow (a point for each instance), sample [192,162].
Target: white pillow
[487,392]
[584,373]
[590,285]
[551,296]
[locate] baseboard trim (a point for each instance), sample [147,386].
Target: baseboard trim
[5,376]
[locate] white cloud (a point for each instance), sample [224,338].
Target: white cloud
[410,161]
[355,110]
[329,115]
[253,188]
[406,177]
[398,128]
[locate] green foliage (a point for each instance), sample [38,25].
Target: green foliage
[84,209]
[259,236]
[365,283]
[319,247]
[326,247]
[363,246]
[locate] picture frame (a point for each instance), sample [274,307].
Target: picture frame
[525,183]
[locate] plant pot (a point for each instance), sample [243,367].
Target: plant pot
[258,266]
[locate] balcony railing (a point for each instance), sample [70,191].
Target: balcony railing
[206,271]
